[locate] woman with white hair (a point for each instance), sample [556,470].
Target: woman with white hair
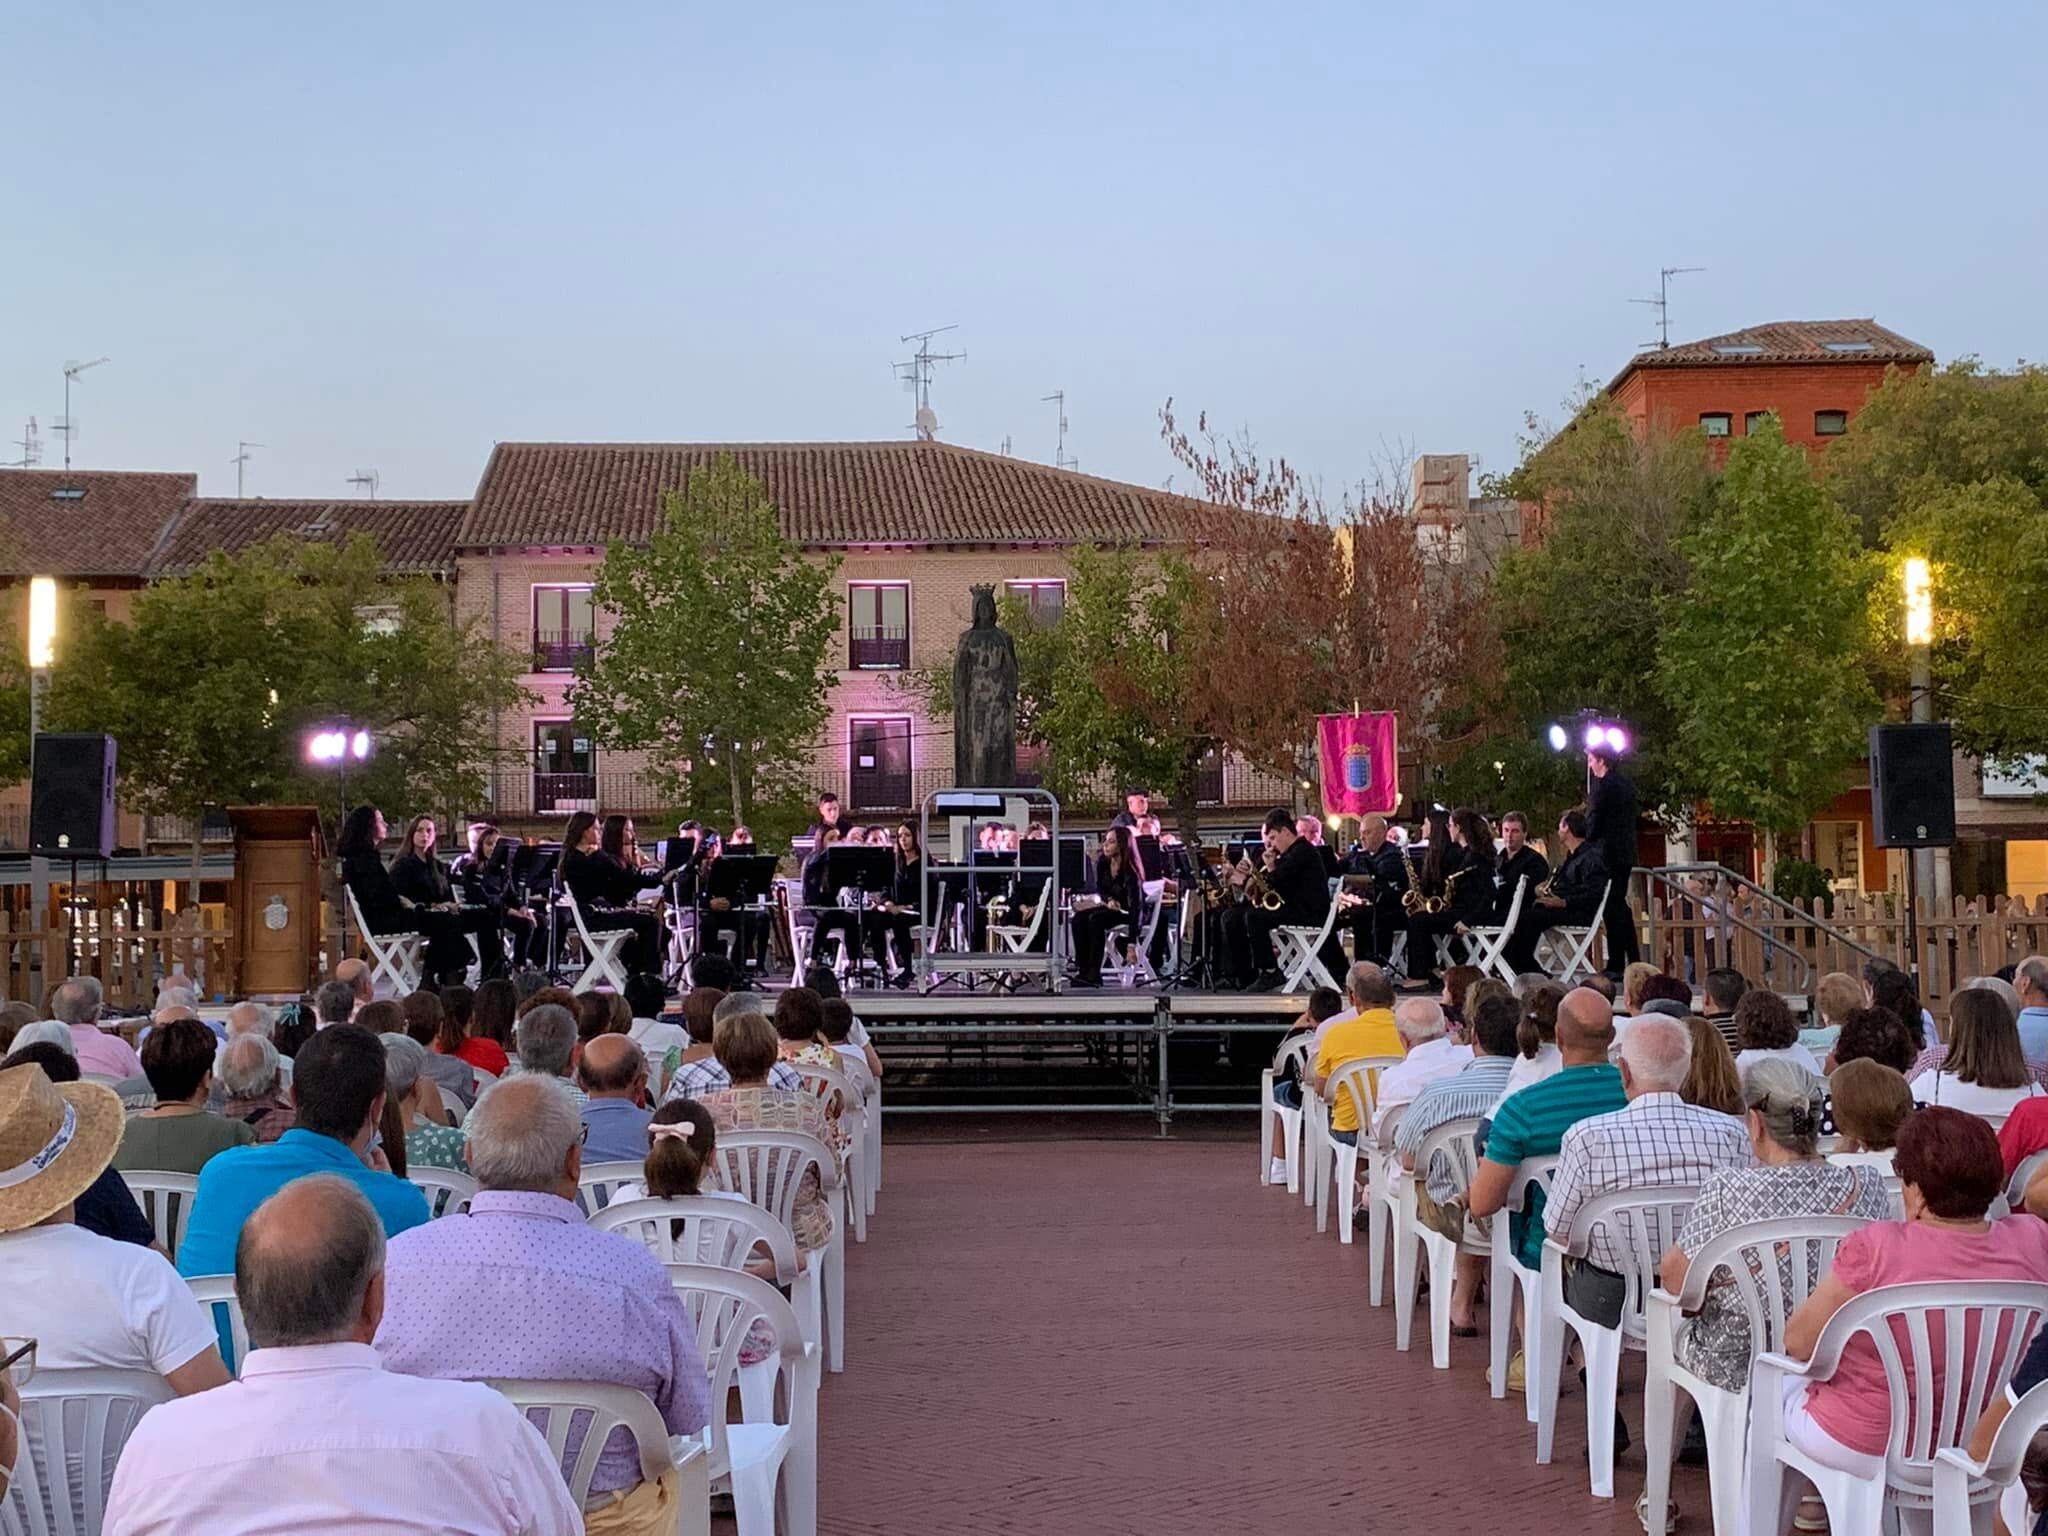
[429,1141]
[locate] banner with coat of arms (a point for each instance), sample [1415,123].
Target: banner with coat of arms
[1359,763]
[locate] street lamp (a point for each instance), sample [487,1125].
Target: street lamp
[42,654]
[1919,601]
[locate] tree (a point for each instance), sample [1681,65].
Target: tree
[213,683]
[1760,662]
[713,656]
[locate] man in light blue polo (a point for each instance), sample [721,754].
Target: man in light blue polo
[338,1089]
[2030,980]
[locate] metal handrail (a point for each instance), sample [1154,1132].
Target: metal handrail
[1728,881]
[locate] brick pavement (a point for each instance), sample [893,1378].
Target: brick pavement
[1133,1337]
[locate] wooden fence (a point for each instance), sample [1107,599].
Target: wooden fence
[130,948]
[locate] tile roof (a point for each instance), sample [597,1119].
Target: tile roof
[909,492]
[413,536]
[110,529]
[1787,341]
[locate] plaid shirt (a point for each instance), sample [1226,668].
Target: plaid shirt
[1467,1095]
[694,1079]
[1658,1141]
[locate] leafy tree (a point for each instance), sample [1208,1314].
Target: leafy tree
[713,660]
[212,685]
[1760,659]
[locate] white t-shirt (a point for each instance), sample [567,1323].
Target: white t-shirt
[1795,1053]
[1945,1088]
[92,1303]
[655,1039]
[1547,1062]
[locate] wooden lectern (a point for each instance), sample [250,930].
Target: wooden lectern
[276,897]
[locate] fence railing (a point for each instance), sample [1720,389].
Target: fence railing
[129,950]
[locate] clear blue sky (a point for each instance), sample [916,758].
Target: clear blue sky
[389,234]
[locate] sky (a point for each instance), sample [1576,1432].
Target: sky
[386,235]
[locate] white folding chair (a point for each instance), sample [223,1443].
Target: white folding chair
[596,1409]
[853,1120]
[1298,953]
[394,957]
[1975,1331]
[1135,969]
[447,1191]
[166,1200]
[1506,1276]
[73,1425]
[216,1295]
[1756,1260]
[1295,1050]
[1452,1141]
[768,1168]
[1641,1223]
[1577,944]
[594,1189]
[601,950]
[757,1459]
[1963,1486]
[1489,944]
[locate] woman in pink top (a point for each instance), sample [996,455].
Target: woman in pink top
[1949,1162]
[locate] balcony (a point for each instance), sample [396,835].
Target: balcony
[563,792]
[879,648]
[558,650]
[876,790]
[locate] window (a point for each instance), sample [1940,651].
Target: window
[1044,600]
[562,627]
[1848,346]
[564,768]
[1738,349]
[1830,423]
[379,618]
[1753,421]
[1715,423]
[1209,778]
[878,764]
[878,625]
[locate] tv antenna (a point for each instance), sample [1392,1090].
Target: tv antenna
[1059,453]
[31,445]
[916,375]
[1662,303]
[1006,445]
[367,480]
[241,462]
[69,425]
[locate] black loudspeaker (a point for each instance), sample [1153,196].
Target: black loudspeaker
[1912,786]
[71,802]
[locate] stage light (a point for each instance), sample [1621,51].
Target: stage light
[332,746]
[359,745]
[42,623]
[1596,735]
[1560,738]
[1617,739]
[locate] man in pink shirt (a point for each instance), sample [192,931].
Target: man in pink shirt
[76,1004]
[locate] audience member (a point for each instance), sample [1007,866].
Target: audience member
[1886,986]
[334,1002]
[248,1017]
[799,1020]
[1601,986]
[549,996]
[54,1032]
[698,1069]
[1536,1051]
[746,1044]
[655,1034]
[338,1092]
[1428,1054]
[1874,1034]
[1766,1030]
[594,1016]
[1634,977]
[1666,995]
[178,1135]
[1370,1031]
[430,1141]
[490,1026]
[835,1029]
[425,1021]
[613,1074]
[14,1018]
[252,1085]
[356,975]
[1458,980]
[511,1289]
[295,1026]
[526,981]
[2030,982]
[1982,1070]
[1723,988]
[105,1207]
[1870,1102]
[318,1438]
[76,1005]
[1713,1082]
[547,1046]
[1834,997]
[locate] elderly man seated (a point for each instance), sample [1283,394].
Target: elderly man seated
[252,1084]
[1367,1031]
[100,1052]
[355,975]
[546,1035]
[517,1286]
[318,1438]
[335,1002]
[1429,1053]
[613,1072]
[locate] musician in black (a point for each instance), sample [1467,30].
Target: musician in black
[1137,806]
[1517,860]
[828,815]
[1116,882]
[899,912]
[821,904]
[1375,878]
[1295,875]
[485,882]
[387,909]
[1611,826]
[1458,872]
[1573,900]
[602,870]
[1310,830]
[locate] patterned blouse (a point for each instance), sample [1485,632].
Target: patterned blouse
[435,1146]
[778,1109]
[1714,1342]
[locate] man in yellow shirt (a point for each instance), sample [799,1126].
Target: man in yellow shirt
[1367,1031]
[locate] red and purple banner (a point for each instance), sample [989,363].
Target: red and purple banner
[1359,763]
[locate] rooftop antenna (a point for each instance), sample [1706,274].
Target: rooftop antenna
[1059,453]
[916,375]
[1006,445]
[1662,303]
[367,480]
[69,425]
[31,445]
[241,462]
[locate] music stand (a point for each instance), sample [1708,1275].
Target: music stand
[1073,863]
[677,853]
[869,872]
[744,882]
[1150,858]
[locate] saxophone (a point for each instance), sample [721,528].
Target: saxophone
[1413,902]
[1439,904]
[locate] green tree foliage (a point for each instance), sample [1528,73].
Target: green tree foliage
[713,659]
[212,685]
[1760,662]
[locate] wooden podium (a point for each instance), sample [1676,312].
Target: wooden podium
[276,897]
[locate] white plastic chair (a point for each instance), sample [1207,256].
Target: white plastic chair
[1577,944]
[1451,1140]
[1978,1329]
[1963,1487]
[73,1425]
[216,1295]
[447,1191]
[768,1168]
[1298,953]
[600,950]
[394,957]
[1489,944]
[166,1200]
[451,1102]
[1506,1276]
[1641,1223]
[594,1189]
[1360,1078]
[1747,1260]
[1295,1050]
[853,1121]
[2016,1188]
[597,1408]
[756,1458]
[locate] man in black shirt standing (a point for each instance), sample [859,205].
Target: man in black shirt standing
[1611,827]
[1137,806]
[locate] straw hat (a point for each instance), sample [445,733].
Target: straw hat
[54,1141]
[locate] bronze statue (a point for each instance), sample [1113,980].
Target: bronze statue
[985,700]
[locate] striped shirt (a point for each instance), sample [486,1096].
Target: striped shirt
[1657,1141]
[1532,1123]
[1468,1094]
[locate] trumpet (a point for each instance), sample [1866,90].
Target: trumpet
[1413,902]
